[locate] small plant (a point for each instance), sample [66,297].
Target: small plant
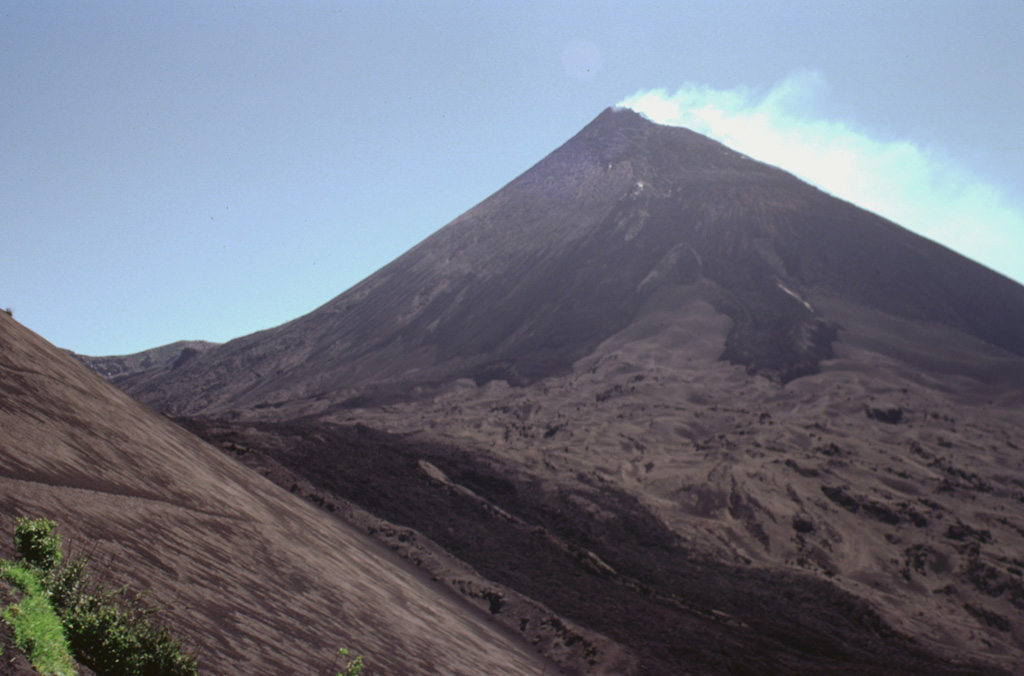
[68,584]
[349,666]
[37,542]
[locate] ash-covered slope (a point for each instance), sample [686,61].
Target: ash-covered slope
[263,582]
[625,214]
[169,356]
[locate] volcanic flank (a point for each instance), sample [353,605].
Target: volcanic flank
[660,408]
[625,217]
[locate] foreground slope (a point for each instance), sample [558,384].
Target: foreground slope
[265,583]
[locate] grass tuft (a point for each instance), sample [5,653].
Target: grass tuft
[38,631]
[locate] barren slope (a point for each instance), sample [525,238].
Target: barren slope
[265,582]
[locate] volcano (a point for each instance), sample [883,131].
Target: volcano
[660,408]
[626,217]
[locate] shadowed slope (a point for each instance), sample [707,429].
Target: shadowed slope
[266,583]
[568,253]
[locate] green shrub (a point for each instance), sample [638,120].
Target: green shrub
[108,631]
[68,583]
[37,543]
[112,634]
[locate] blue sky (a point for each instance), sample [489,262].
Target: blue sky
[203,170]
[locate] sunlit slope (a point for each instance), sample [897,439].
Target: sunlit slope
[263,583]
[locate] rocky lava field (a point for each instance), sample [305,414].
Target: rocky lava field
[706,522]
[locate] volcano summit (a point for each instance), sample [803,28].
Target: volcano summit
[660,408]
[626,217]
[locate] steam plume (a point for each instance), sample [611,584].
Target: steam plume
[921,188]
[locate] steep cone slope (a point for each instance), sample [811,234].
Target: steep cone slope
[265,583]
[625,214]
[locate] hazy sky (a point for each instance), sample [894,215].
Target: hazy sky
[203,170]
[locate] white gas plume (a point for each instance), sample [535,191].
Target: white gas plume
[917,186]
